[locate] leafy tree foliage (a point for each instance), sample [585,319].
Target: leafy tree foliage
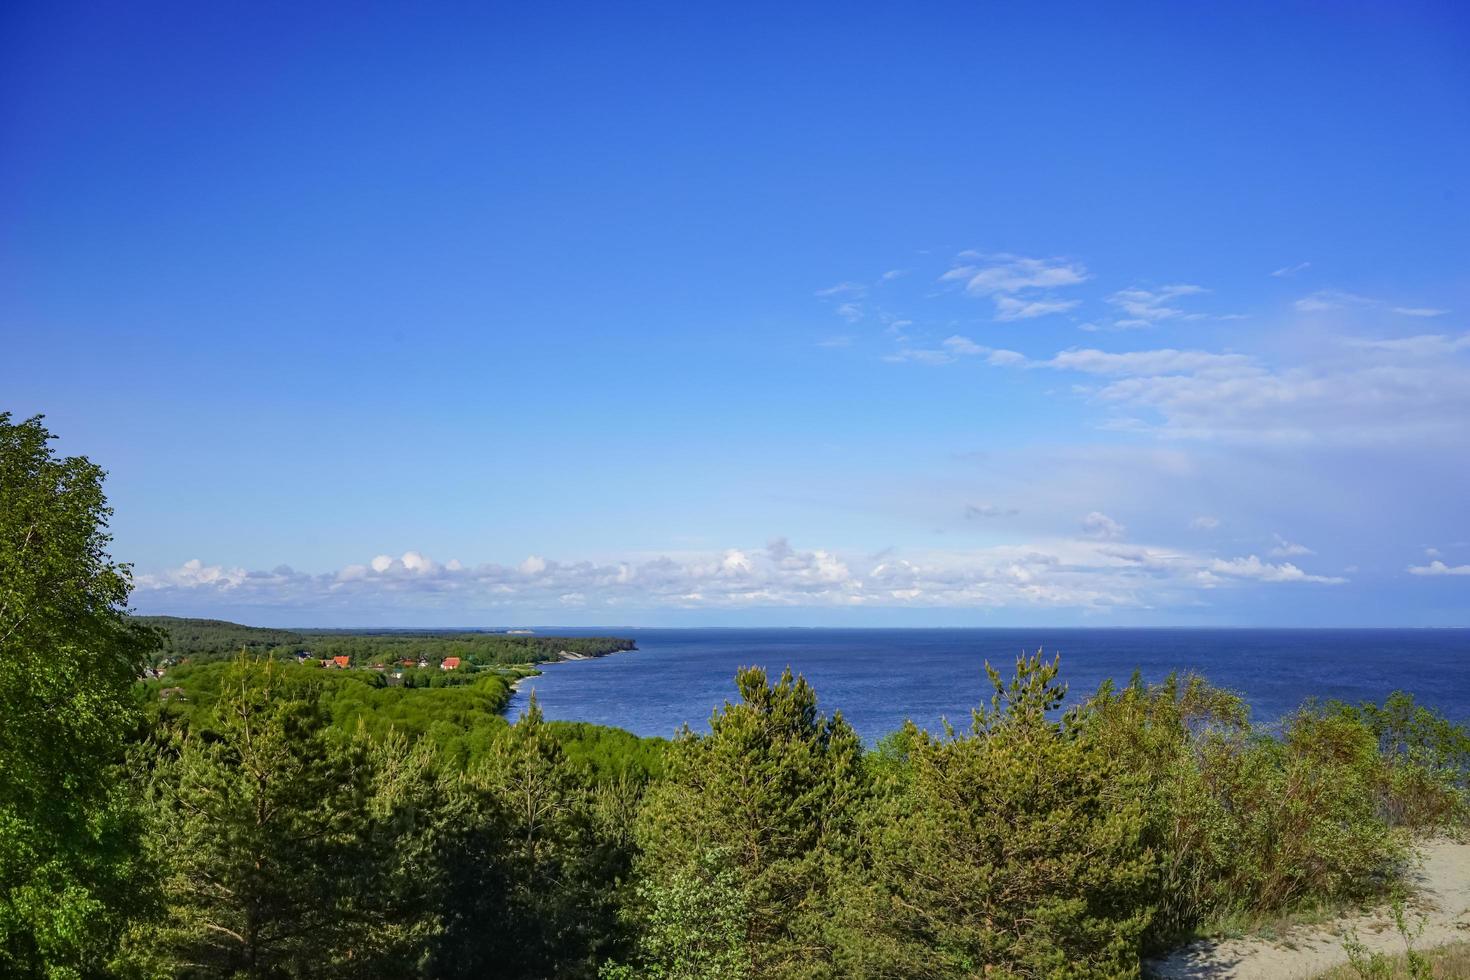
[68,656]
[280,820]
[1016,850]
[277,847]
[538,894]
[765,804]
[210,640]
[215,638]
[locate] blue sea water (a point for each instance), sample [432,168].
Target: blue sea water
[880,677]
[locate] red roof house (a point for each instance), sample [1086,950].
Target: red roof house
[343,662]
[450,663]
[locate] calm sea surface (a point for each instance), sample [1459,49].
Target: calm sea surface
[878,678]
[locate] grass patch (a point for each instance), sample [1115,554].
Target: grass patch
[1452,960]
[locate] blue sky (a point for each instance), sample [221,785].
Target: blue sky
[859,314]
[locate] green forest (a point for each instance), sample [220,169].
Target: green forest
[207,640]
[248,816]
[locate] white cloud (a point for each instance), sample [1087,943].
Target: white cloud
[919,355]
[1205,523]
[1422,345]
[1287,271]
[1336,299]
[843,289]
[1330,299]
[1253,568]
[984,275]
[1358,395]
[1288,549]
[1009,308]
[1438,567]
[1101,526]
[1153,306]
[1013,282]
[1066,572]
[1148,362]
[953,348]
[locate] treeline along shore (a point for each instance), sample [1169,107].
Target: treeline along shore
[257,814]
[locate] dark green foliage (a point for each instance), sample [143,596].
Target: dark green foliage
[1016,850]
[210,640]
[284,820]
[762,810]
[277,844]
[68,657]
[537,862]
[483,649]
[214,638]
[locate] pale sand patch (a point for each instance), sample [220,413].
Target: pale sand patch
[1442,895]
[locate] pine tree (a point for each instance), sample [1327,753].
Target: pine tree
[277,851]
[748,834]
[1014,851]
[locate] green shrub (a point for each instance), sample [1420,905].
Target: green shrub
[1015,850]
[761,810]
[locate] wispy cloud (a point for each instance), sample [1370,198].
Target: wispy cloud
[1422,345]
[1011,308]
[1102,527]
[1437,567]
[1288,549]
[1253,568]
[952,349]
[1324,300]
[1017,284]
[1417,394]
[1205,523]
[1330,299]
[1145,307]
[1287,271]
[988,510]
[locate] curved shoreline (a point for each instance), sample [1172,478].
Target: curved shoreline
[562,657]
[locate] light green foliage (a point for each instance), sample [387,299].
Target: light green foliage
[1248,823]
[693,925]
[68,657]
[765,803]
[1015,850]
[1425,782]
[1370,965]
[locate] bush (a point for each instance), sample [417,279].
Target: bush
[747,836]
[1016,850]
[1243,821]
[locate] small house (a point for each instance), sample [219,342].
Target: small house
[342,662]
[450,663]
